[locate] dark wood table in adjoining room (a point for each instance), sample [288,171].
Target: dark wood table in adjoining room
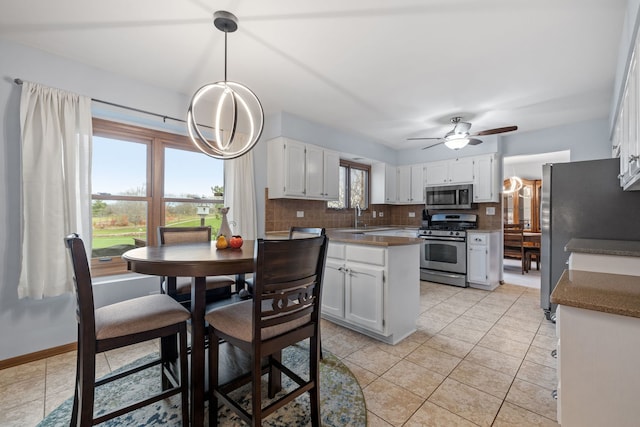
[196,260]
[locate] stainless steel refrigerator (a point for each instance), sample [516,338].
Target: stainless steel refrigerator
[581,200]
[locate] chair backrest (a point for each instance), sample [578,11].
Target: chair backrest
[513,240]
[288,283]
[177,235]
[84,289]
[302,232]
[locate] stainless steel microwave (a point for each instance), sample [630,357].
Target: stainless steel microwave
[449,197]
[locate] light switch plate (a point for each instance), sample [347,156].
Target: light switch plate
[491,210]
[300,214]
[412,214]
[373,214]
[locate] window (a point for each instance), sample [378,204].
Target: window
[141,179]
[354,186]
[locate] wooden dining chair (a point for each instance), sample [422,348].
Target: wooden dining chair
[294,233]
[514,244]
[218,287]
[119,325]
[270,322]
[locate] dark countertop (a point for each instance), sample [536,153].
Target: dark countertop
[608,293]
[365,239]
[604,247]
[342,235]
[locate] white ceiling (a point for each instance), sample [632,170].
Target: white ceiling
[385,69]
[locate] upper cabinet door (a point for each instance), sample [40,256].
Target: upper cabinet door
[461,171]
[450,172]
[437,173]
[315,172]
[417,183]
[294,170]
[331,175]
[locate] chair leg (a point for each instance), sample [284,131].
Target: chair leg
[85,388]
[275,376]
[314,375]
[184,377]
[213,378]
[256,392]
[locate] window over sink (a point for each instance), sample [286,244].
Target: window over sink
[354,186]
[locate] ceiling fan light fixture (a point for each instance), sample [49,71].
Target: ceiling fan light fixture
[456,142]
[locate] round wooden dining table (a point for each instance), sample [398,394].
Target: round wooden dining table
[196,260]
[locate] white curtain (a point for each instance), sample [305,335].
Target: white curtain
[240,196]
[56,186]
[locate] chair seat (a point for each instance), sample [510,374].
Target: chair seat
[183,284]
[235,320]
[138,315]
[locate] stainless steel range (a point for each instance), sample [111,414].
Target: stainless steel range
[443,254]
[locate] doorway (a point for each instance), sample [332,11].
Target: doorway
[521,208]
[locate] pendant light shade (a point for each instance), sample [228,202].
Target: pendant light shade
[236,114]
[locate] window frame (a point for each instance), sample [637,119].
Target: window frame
[156,141]
[348,164]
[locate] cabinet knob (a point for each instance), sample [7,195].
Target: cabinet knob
[633,158]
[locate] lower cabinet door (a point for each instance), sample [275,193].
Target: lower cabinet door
[477,264]
[364,296]
[333,288]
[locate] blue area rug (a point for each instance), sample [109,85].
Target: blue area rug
[342,401]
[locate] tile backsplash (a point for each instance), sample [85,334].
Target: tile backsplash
[280,214]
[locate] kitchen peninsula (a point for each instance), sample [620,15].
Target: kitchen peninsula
[598,327]
[372,282]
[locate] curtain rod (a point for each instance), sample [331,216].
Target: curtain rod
[164,118]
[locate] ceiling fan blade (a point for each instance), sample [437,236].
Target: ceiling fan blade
[474,141]
[416,139]
[433,145]
[495,131]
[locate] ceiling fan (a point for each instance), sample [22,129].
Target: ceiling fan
[459,136]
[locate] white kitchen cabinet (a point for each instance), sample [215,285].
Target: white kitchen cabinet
[626,136]
[383,184]
[364,291]
[333,288]
[485,179]
[301,171]
[483,259]
[599,379]
[410,184]
[373,290]
[323,173]
[449,172]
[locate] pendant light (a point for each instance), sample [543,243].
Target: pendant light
[237,114]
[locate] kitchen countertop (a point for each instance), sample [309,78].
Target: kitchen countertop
[360,238]
[604,247]
[608,293]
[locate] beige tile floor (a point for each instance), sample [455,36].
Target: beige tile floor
[478,358]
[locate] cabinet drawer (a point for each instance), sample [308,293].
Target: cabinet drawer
[365,254]
[477,239]
[335,250]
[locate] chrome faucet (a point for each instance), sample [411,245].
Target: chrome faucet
[357,212]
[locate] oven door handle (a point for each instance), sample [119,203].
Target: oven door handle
[444,238]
